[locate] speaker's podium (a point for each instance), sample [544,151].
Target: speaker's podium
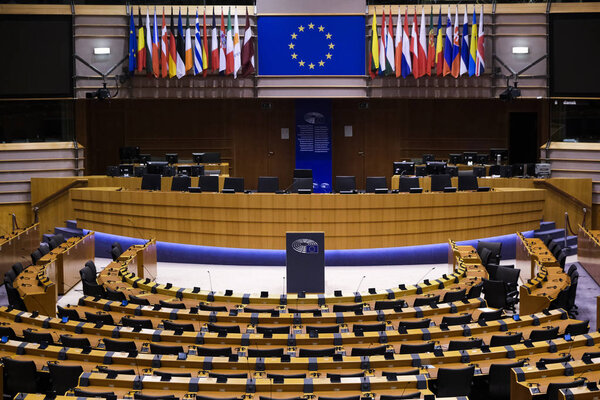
[305,262]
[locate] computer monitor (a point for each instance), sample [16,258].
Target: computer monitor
[209,183]
[428,157]
[236,184]
[301,184]
[518,170]
[126,170]
[483,159]
[436,167]
[128,154]
[303,173]
[345,183]
[404,168]
[197,157]
[184,170]
[172,158]
[156,167]
[455,159]
[207,158]
[494,155]
[469,157]
[112,170]
[144,158]
[197,170]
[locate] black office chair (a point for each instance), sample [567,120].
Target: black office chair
[10,276]
[127,346]
[440,182]
[552,391]
[76,342]
[206,307]
[19,376]
[208,183]
[37,337]
[181,183]
[14,298]
[369,327]
[413,395]
[510,276]
[375,182]
[163,350]
[168,304]
[280,378]
[35,256]
[265,352]
[213,351]
[70,313]
[465,344]
[90,264]
[456,320]
[233,184]
[347,307]
[389,304]
[151,182]
[223,328]
[499,380]
[137,323]
[327,352]
[467,182]
[417,348]
[172,326]
[139,300]
[495,249]
[113,373]
[538,335]
[426,301]
[17,268]
[323,329]
[303,173]
[452,170]
[268,184]
[115,254]
[301,184]
[345,184]
[88,393]
[497,295]
[114,295]
[64,377]
[424,323]
[490,315]
[368,351]
[99,318]
[407,183]
[273,329]
[44,248]
[420,170]
[506,340]
[475,291]
[454,382]
[578,328]
[563,358]
[458,295]
[169,375]
[8,332]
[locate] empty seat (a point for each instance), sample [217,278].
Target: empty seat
[19,376]
[7,332]
[151,182]
[345,183]
[114,295]
[136,323]
[181,183]
[347,307]
[490,315]
[273,329]
[162,349]
[465,344]
[375,182]
[139,300]
[35,256]
[506,340]
[499,380]
[280,378]
[37,337]
[467,182]
[223,328]
[417,348]
[578,328]
[169,375]
[424,323]
[454,382]
[369,327]
[497,295]
[440,182]
[64,377]
[494,247]
[127,346]
[76,342]
[426,301]
[173,326]
[268,184]
[206,307]
[301,183]
[537,335]
[328,352]
[552,391]
[213,351]
[113,372]
[456,320]
[17,268]
[208,183]
[10,276]
[99,318]
[458,295]
[368,351]
[168,304]
[265,352]
[389,305]
[323,329]
[407,183]
[44,248]
[87,393]
[235,184]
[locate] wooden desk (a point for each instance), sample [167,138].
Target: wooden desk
[537,293]
[531,253]
[462,254]
[36,288]
[588,251]
[17,247]
[141,260]
[260,220]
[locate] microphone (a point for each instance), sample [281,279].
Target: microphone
[210,280]
[359,283]
[423,277]
[283,287]
[137,230]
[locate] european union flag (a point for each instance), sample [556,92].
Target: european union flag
[311,45]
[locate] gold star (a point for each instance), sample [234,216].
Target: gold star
[301,28]
[328,56]
[311,25]
[301,63]
[321,28]
[331,45]
[294,36]
[311,66]
[328,36]
[291,45]
[321,63]
[294,55]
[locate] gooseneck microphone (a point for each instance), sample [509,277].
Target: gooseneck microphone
[360,283]
[423,277]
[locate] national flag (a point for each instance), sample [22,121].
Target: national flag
[439,46]
[464,45]
[414,47]
[390,66]
[473,46]
[374,60]
[247,49]
[456,47]
[172,49]
[164,45]
[237,51]
[204,45]
[431,44]
[149,54]
[398,45]
[480,62]
[406,61]
[382,44]
[141,58]
[132,44]
[198,61]
[423,45]
[155,48]
[180,48]
[229,50]
[189,54]
[214,49]
[223,47]
[448,45]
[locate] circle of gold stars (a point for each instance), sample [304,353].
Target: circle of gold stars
[330,46]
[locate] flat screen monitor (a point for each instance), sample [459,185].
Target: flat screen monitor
[184,170]
[483,159]
[436,167]
[156,167]
[345,183]
[237,184]
[197,170]
[404,168]
[455,159]
[494,155]
[129,153]
[303,173]
[144,158]
[518,169]
[428,157]
[197,157]
[209,183]
[126,170]
[172,158]
[469,157]
[207,158]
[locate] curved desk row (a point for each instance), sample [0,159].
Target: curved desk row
[17,247]
[260,220]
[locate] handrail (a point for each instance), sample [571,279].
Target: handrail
[46,200]
[558,190]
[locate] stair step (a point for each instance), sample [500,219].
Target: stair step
[72,224]
[553,233]
[546,225]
